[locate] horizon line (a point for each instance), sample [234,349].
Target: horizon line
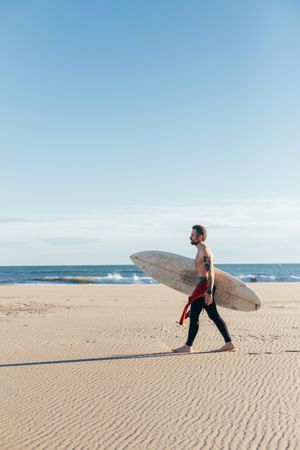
[133,265]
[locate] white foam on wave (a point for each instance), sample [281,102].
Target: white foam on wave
[109,278]
[115,276]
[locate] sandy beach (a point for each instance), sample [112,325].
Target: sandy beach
[91,367]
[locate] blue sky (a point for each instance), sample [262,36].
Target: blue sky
[124,123]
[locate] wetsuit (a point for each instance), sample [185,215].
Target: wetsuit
[196,304]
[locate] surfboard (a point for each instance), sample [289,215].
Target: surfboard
[178,272]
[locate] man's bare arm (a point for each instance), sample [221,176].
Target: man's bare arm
[208,263]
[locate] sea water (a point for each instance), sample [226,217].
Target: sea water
[130,274]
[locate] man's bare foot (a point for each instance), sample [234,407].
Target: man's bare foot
[228,347]
[184,349]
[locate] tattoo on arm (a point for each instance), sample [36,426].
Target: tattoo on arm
[207,263]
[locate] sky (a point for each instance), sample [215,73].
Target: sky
[124,123]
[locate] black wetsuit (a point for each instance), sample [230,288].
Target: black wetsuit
[213,314]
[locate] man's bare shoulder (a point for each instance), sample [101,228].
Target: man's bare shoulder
[206,251]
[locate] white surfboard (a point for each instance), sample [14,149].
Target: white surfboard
[178,272]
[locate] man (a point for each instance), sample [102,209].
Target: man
[202,297]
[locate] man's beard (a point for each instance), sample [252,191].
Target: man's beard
[194,243]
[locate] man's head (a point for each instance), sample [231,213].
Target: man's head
[198,235]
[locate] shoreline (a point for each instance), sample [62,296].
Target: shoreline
[251,283]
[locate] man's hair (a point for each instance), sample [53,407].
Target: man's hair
[200,230]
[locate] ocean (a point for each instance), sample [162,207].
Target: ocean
[130,274]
